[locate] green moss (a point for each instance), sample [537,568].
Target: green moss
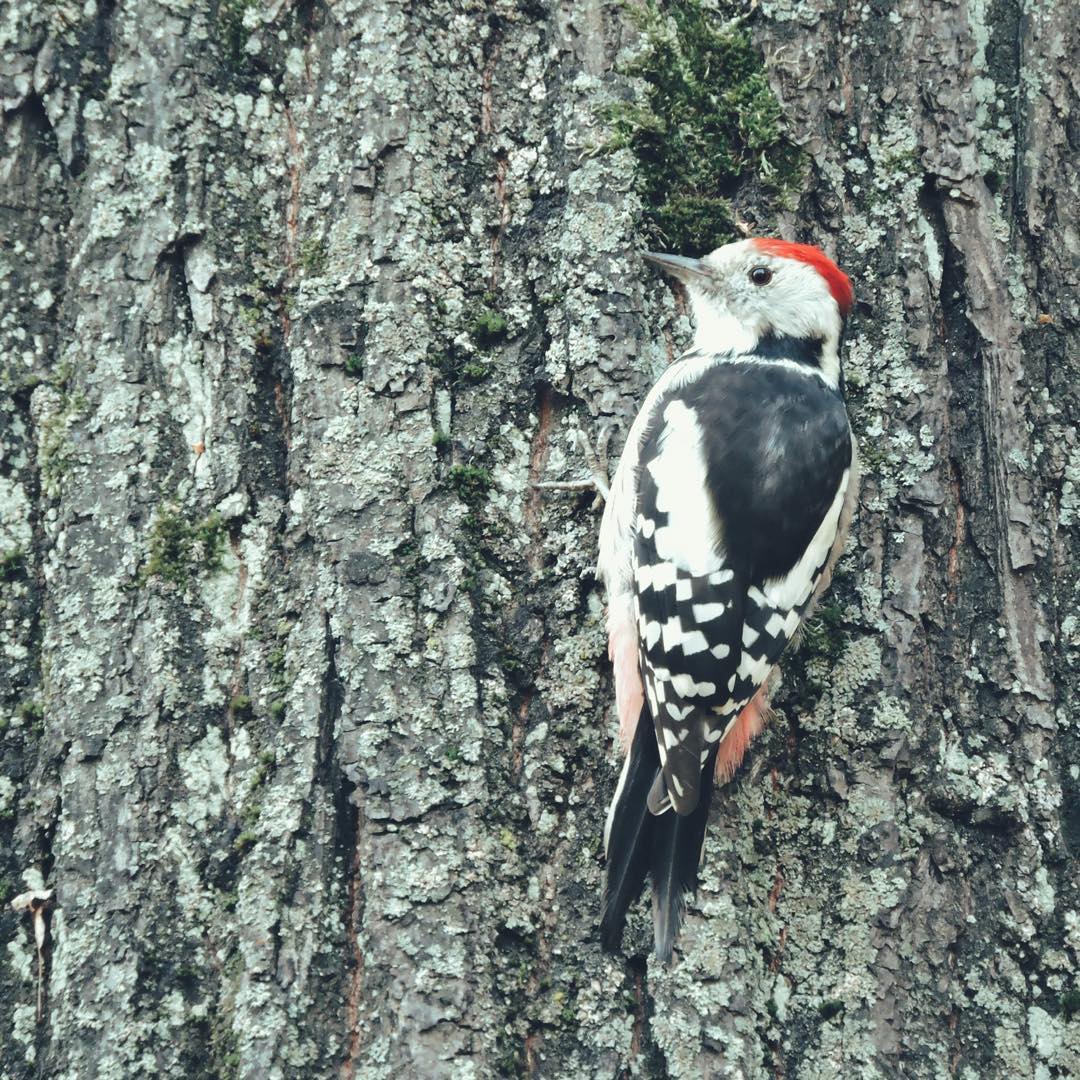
[708,126]
[240,705]
[475,371]
[872,458]
[683,223]
[354,365]
[30,712]
[14,383]
[56,452]
[180,548]
[170,548]
[210,535]
[471,482]
[488,328]
[267,761]
[11,564]
[439,438]
[313,256]
[245,840]
[279,680]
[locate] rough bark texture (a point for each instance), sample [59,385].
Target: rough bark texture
[305,710]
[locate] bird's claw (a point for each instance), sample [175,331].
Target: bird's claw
[597,461]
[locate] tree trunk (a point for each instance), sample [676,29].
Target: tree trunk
[307,718]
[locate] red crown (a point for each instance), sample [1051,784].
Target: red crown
[838,282]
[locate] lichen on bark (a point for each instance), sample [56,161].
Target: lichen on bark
[300,300]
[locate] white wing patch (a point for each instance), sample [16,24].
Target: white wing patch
[691,538]
[707,612]
[780,624]
[659,576]
[686,686]
[754,669]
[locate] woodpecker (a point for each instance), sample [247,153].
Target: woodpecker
[726,513]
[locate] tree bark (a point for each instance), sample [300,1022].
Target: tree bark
[306,715]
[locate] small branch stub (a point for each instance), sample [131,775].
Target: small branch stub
[37,903]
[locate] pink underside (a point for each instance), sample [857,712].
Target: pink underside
[750,721]
[629,694]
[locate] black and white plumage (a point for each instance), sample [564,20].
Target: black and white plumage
[726,512]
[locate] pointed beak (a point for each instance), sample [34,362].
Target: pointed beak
[686,270]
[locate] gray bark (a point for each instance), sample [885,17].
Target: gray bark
[306,717]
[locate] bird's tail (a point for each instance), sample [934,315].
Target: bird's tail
[628,838]
[676,855]
[639,844]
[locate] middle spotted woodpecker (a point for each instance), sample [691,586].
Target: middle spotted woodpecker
[726,512]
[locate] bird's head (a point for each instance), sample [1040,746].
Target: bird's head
[745,291]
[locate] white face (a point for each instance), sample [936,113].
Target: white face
[764,293]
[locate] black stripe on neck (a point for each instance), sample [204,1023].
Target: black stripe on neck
[801,350]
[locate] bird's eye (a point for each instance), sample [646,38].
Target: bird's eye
[761,275]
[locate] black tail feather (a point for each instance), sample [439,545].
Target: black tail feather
[630,840]
[666,846]
[676,855]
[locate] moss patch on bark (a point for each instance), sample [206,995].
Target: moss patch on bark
[707,130]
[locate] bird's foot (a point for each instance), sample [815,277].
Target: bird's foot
[597,462]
